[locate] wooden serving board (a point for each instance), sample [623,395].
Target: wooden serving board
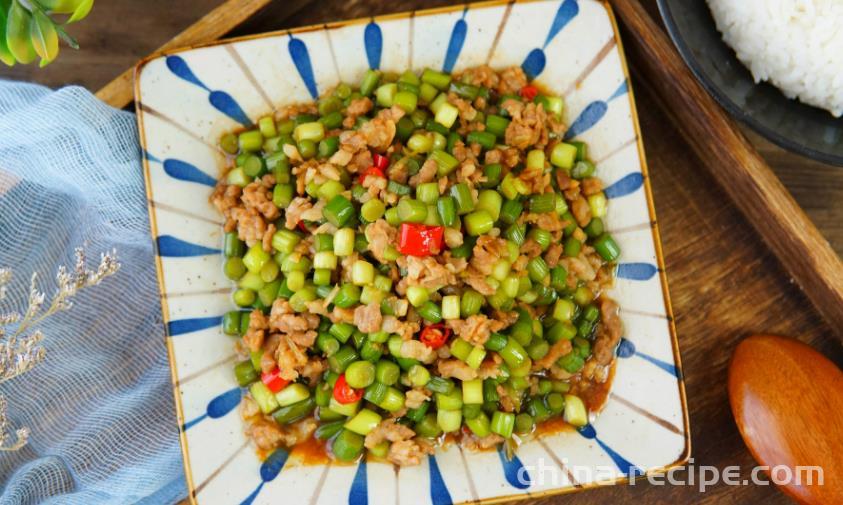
[725,282]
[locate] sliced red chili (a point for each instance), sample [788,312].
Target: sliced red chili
[273,380]
[529,92]
[380,161]
[301,226]
[435,335]
[344,393]
[420,240]
[377,172]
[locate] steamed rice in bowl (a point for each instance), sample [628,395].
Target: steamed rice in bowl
[796,45]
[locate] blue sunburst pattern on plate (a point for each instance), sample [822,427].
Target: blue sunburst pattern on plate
[309,62]
[220,100]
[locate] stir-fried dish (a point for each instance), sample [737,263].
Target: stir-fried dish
[420,256]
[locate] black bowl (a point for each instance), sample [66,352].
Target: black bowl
[801,128]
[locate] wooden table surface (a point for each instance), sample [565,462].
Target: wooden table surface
[724,284]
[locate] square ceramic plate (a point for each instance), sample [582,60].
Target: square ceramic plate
[186,100]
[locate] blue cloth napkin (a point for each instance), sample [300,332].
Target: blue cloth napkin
[100,406]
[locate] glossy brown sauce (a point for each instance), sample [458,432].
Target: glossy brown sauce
[311,452]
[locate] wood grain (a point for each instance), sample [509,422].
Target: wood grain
[120,92]
[781,391]
[735,164]
[725,283]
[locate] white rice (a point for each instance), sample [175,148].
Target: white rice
[797,45]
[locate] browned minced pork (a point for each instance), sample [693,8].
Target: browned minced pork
[414,398]
[405,329]
[360,161]
[563,180]
[283,319]
[427,272]
[477,281]
[294,212]
[512,79]
[266,241]
[313,369]
[608,332]
[375,185]
[226,197]
[257,330]
[466,111]
[426,173]
[357,107]
[527,127]
[490,368]
[398,172]
[466,155]
[259,197]
[531,248]
[267,435]
[470,173]
[592,186]
[475,443]
[579,269]
[553,253]
[508,404]
[506,319]
[368,318]
[483,75]
[556,351]
[380,236]
[352,141]
[457,369]
[475,329]
[493,156]
[341,157]
[581,211]
[249,407]
[388,430]
[536,179]
[291,359]
[487,251]
[268,362]
[549,221]
[380,131]
[408,452]
[520,263]
[249,223]
[416,350]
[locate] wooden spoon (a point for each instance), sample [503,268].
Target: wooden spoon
[787,400]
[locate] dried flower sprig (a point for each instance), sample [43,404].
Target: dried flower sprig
[20,350]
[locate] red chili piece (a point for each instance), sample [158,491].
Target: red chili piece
[377,172]
[420,240]
[344,393]
[435,335]
[529,92]
[273,380]
[380,161]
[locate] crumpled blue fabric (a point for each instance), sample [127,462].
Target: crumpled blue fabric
[100,406]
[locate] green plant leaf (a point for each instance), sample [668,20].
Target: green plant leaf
[81,11]
[17,34]
[60,6]
[44,37]
[5,55]
[66,37]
